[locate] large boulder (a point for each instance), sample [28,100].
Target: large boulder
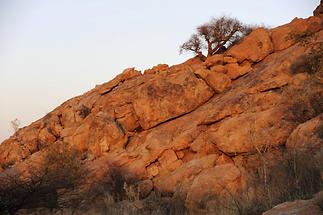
[170,96]
[254,47]
[215,79]
[251,132]
[308,135]
[287,35]
[234,70]
[216,59]
[299,207]
[97,135]
[187,172]
[222,180]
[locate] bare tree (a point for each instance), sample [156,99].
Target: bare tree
[15,124]
[194,44]
[215,36]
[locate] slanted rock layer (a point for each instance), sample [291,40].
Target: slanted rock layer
[187,125]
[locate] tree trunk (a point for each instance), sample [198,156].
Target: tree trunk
[201,56]
[209,49]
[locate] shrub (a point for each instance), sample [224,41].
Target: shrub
[59,169]
[296,175]
[302,37]
[84,111]
[304,101]
[310,63]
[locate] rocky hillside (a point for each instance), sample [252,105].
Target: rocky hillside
[186,137]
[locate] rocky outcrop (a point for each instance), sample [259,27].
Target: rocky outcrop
[318,10]
[168,97]
[188,126]
[254,48]
[286,35]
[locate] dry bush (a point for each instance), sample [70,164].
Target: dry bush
[306,105]
[300,176]
[303,37]
[120,187]
[297,175]
[304,101]
[117,195]
[84,111]
[310,63]
[59,169]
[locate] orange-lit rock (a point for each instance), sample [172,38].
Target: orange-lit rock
[197,127]
[287,35]
[234,70]
[181,92]
[157,69]
[215,78]
[308,135]
[216,59]
[254,47]
[220,180]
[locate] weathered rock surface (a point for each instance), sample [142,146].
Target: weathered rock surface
[253,48]
[318,10]
[169,97]
[286,35]
[308,135]
[234,70]
[184,125]
[299,207]
[219,180]
[215,78]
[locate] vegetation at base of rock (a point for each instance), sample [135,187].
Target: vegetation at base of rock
[297,175]
[60,169]
[310,63]
[307,102]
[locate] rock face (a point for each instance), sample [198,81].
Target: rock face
[220,180]
[286,35]
[319,9]
[254,48]
[308,135]
[190,126]
[170,96]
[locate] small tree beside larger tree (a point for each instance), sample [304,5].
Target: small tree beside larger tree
[215,36]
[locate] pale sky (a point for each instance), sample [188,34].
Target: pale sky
[52,50]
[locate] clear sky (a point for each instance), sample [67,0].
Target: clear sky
[52,50]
